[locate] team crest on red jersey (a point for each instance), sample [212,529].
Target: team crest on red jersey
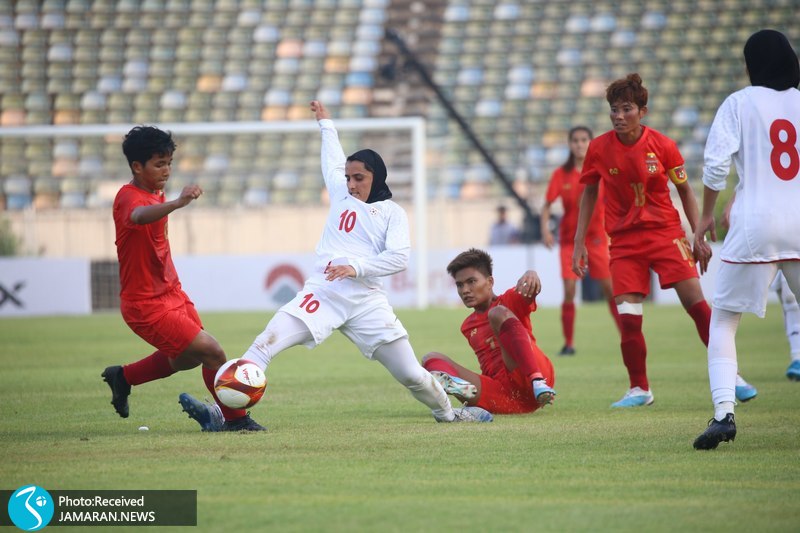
[651,161]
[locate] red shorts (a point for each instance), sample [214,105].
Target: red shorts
[598,258]
[666,252]
[510,392]
[169,322]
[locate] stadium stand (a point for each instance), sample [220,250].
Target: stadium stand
[520,71]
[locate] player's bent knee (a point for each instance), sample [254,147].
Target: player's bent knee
[498,315]
[434,355]
[208,351]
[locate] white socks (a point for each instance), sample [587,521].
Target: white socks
[722,409]
[722,366]
[399,359]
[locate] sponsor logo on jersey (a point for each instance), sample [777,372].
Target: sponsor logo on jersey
[613,171]
[651,161]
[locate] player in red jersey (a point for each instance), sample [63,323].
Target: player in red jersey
[635,164]
[565,183]
[516,376]
[151,299]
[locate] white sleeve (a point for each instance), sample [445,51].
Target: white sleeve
[394,257]
[723,141]
[332,156]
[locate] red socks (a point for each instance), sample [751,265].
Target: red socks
[227,412]
[434,364]
[612,306]
[568,322]
[516,341]
[701,314]
[154,366]
[634,350]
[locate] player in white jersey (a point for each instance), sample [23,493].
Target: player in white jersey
[791,312]
[366,237]
[756,127]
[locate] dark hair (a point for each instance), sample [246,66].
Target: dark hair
[144,142]
[629,89]
[569,164]
[477,259]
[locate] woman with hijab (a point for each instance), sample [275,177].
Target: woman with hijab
[366,237]
[757,128]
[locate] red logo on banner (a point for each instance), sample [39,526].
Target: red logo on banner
[283,282]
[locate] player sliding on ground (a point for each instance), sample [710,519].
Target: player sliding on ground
[151,299]
[516,376]
[366,237]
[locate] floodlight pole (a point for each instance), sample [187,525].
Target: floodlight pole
[530,229]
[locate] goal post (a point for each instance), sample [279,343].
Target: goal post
[413,127]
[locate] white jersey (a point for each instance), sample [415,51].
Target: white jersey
[373,238]
[758,127]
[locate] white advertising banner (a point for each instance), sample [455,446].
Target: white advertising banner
[265,282]
[44,287]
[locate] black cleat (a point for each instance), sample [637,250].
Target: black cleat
[120,389]
[567,350]
[243,424]
[718,431]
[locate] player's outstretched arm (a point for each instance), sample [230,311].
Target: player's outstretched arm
[320,111]
[147,214]
[529,285]
[332,158]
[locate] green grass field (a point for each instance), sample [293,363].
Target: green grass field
[350,450]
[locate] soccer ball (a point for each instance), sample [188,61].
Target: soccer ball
[239,384]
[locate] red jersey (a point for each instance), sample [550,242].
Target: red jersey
[480,336]
[145,261]
[635,180]
[567,185]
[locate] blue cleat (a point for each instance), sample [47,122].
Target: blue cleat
[744,391]
[793,372]
[455,385]
[208,415]
[543,392]
[635,397]
[470,414]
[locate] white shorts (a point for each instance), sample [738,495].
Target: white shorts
[744,287]
[362,314]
